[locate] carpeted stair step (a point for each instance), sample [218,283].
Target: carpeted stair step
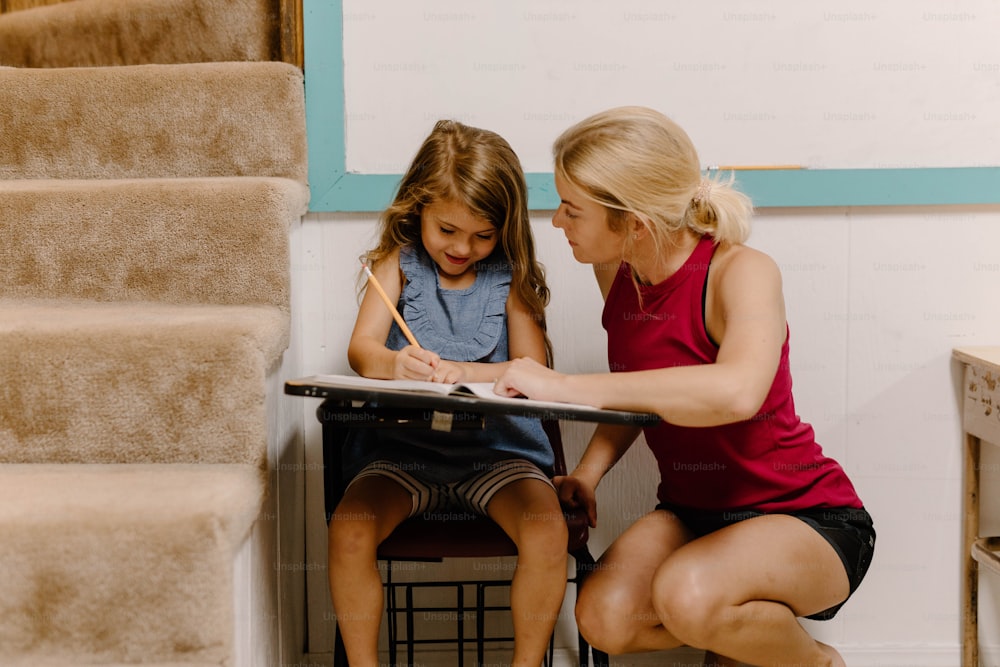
[207,240]
[97,33]
[144,311]
[102,382]
[121,564]
[153,121]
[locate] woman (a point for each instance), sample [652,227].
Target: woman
[755,527]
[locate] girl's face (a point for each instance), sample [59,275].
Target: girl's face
[585,224]
[456,239]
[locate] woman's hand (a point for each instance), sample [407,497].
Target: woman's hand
[527,377]
[415,363]
[575,494]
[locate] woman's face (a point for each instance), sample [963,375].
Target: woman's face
[585,224]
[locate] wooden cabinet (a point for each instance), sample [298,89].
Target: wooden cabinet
[981,424]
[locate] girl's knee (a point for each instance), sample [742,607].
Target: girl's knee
[544,544]
[541,532]
[351,535]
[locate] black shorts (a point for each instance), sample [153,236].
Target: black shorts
[849,531]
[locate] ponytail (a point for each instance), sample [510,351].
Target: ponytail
[720,210]
[636,160]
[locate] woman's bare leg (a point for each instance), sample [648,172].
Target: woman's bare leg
[738,592]
[614,607]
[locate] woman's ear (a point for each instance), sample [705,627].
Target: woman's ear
[638,227]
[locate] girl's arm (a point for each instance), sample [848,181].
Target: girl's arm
[525,338]
[745,313]
[367,353]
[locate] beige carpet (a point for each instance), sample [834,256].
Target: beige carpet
[120,563]
[89,33]
[153,121]
[145,212]
[179,240]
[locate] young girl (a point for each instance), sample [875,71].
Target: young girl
[755,526]
[456,253]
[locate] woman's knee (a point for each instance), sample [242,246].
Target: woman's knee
[688,603]
[607,618]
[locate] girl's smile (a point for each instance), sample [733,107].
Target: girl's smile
[456,239]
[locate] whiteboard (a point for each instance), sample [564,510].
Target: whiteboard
[846,85]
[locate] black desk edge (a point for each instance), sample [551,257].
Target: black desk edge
[310,387]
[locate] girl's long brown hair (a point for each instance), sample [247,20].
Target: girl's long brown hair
[479,170]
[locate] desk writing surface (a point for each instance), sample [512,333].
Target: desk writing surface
[988,356]
[316,387]
[981,392]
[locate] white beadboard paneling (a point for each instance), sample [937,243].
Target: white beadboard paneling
[574,312]
[918,655]
[876,300]
[810,249]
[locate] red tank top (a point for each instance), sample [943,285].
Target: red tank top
[769,463]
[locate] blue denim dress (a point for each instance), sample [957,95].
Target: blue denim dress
[460,325]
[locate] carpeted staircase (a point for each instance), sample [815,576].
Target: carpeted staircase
[146,201]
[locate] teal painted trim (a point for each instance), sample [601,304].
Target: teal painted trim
[767,188]
[333,189]
[323,48]
[871,187]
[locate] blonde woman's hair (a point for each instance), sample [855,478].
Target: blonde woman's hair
[477,169]
[636,160]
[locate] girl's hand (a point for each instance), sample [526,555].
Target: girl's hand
[414,363]
[575,494]
[527,377]
[448,372]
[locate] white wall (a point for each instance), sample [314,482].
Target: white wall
[848,84]
[877,298]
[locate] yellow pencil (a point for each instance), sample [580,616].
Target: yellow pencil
[373,281]
[754,167]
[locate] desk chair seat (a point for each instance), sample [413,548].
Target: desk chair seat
[428,539]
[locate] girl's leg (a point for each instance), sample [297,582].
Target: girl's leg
[738,591]
[614,607]
[528,511]
[370,509]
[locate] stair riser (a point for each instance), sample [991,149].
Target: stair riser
[135,383]
[101,33]
[221,240]
[121,563]
[153,121]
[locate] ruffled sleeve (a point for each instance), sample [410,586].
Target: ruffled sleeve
[460,325]
[414,292]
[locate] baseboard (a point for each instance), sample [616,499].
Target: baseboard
[940,655]
[682,657]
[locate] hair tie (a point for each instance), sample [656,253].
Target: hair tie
[703,191]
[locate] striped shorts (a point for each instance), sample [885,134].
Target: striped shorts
[471,494]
